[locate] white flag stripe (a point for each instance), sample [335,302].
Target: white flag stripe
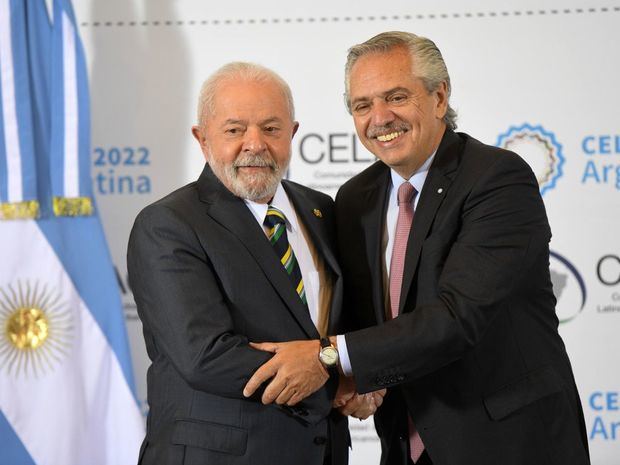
[49,4]
[71,117]
[81,411]
[9,112]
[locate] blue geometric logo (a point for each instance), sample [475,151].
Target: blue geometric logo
[569,287]
[539,148]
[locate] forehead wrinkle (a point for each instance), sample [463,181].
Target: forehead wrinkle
[270,119]
[234,121]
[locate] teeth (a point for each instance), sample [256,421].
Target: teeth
[389,137]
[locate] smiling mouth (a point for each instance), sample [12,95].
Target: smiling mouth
[390,136]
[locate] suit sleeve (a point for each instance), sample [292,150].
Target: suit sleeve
[182,309]
[502,232]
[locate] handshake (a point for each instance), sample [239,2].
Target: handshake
[296,372]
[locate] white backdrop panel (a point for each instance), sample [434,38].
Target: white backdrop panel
[552,65]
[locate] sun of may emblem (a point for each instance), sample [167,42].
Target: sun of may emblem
[37,328]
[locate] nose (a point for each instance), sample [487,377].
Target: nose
[381,114]
[254,140]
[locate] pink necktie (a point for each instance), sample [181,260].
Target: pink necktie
[406,193]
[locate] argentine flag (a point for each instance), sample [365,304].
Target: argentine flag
[66,387]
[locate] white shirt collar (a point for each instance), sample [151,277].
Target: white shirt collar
[417,178]
[281,202]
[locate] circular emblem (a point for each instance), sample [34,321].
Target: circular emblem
[568,287]
[37,329]
[539,148]
[27,328]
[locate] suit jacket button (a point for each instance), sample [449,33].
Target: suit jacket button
[320,440]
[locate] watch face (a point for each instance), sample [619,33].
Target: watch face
[329,356]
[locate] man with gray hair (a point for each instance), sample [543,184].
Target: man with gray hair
[240,255]
[444,248]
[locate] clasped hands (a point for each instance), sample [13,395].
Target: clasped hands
[296,372]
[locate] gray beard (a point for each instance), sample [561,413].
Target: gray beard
[256,187]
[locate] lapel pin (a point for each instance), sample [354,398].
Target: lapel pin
[317,213]
[440,190]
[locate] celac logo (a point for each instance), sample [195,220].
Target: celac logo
[539,148]
[568,287]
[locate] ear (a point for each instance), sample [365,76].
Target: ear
[198,133]
[441,95]
[295,128]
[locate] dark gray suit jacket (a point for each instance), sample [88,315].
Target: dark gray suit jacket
[206,282]
[475,356]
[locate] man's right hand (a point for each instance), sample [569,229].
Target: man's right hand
[349,402]
[363,405]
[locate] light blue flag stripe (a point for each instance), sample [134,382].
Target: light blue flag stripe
[18,65]
[39,53]
[13,451]
[70,160]
[23,103]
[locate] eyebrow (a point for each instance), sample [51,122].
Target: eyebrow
[382,94]
[272,119]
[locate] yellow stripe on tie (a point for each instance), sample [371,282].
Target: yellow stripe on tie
[278,213]
[300,287]
[287,255]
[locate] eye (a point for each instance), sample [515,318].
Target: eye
[361,108]
[397,98]
[233,131]
[271,129]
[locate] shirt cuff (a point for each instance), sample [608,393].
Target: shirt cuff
[343,355]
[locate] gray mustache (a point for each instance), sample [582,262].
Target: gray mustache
[254,160]
[378,130]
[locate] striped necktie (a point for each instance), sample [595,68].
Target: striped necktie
[276,222]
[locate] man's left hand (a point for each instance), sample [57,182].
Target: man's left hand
[295,369]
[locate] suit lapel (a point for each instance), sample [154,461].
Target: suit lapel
[434,191]
[373,220]
[232,213]
[304,207]
[316,227]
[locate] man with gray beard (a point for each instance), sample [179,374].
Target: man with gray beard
[238,256]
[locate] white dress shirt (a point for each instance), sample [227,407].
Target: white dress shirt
[417,180]
[309,271]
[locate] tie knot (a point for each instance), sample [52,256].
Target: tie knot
[274,216]
[406,192]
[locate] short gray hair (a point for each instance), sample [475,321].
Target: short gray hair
[429,64]
[244,71]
